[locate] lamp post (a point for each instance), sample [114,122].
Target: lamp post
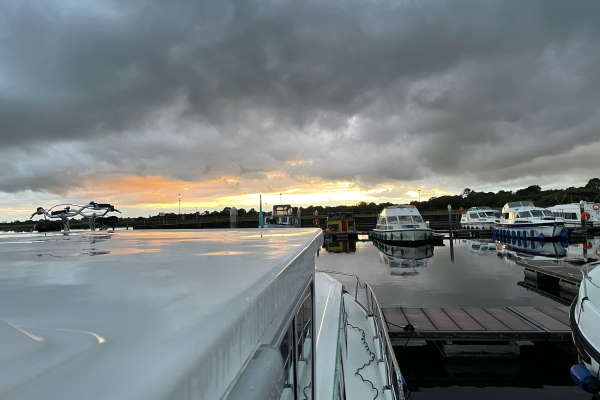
[179,198]
[419,191]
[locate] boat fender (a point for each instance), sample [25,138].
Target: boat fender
[585,216]
[584,379]
[564,234]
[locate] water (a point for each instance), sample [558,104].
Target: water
[472,273]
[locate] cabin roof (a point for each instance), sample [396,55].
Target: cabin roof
[404,209]
[142,314]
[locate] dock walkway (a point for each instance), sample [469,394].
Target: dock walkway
[479,324]
[561,271]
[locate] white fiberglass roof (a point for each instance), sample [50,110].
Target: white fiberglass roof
[399,210]
[141,314]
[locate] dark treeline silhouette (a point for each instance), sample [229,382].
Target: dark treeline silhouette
[543,198]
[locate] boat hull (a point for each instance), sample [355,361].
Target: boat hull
[406,235]
[584,322]
[477,225]
[530,231]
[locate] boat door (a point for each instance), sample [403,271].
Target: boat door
[344,226]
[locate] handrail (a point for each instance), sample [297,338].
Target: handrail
[395,381]
[345,274]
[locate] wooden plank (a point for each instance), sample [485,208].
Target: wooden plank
[556,313]
[395,319]
[512,320]
[440,319]
[463,320]
[540,318]
[485,319]
[418,319]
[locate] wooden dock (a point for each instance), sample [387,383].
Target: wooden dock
[478,324]
[566,275]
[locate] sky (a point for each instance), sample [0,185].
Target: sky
[324,101]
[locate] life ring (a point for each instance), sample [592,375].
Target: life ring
[585,216]
[587,245]
[596,207]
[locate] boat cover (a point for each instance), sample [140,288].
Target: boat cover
[143,314]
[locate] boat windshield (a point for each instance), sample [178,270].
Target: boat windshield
[547,213]
[405,219]
[417,219]
[491,214]
[513,204]
[392,220]
[484,215]
[524,214]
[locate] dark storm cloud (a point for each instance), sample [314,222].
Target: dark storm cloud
[366,90]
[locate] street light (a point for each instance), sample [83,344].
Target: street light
[419,191]
[179,196]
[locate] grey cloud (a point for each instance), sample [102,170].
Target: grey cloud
[369,91]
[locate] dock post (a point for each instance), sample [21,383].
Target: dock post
[450,232]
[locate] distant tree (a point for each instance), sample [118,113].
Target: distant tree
[466,192]
[593,184]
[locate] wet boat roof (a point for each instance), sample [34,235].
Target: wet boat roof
[141,314]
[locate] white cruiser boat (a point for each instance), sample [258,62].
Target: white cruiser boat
[220,314]
[282,216]
[478,218]
[401,223]
[572,216]
[523,220]
[585,324]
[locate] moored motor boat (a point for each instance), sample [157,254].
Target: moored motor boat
[478,218]
[523,220]
[401,223]
[585,324]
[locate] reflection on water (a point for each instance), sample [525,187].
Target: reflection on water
[340,246]
[404,260]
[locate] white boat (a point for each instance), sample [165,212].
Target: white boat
[218,314]
[523,220]
[571,214]
[282,216]
[478,218]
[585,324]
[401,223]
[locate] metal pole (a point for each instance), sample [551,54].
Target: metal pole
[450,233]
[179,196]
[261,220]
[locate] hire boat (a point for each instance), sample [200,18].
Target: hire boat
[523,220]
[401,223]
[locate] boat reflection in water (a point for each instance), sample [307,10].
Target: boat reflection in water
[481,247]
[340,246]
[588,250]
[404,260]
[532,249]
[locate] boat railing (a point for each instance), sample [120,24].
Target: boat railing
[356,278]
[395,382]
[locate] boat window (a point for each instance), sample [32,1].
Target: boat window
[570,215]
[505,215]
[405,219]
[417,219]
[381,221]
[547,213]
[524,214]
[392,220]
[490,214]
[482,215]
[473,215]
[537,213]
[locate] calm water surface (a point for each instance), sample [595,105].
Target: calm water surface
[480,273]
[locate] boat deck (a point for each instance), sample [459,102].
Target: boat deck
[477,323]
